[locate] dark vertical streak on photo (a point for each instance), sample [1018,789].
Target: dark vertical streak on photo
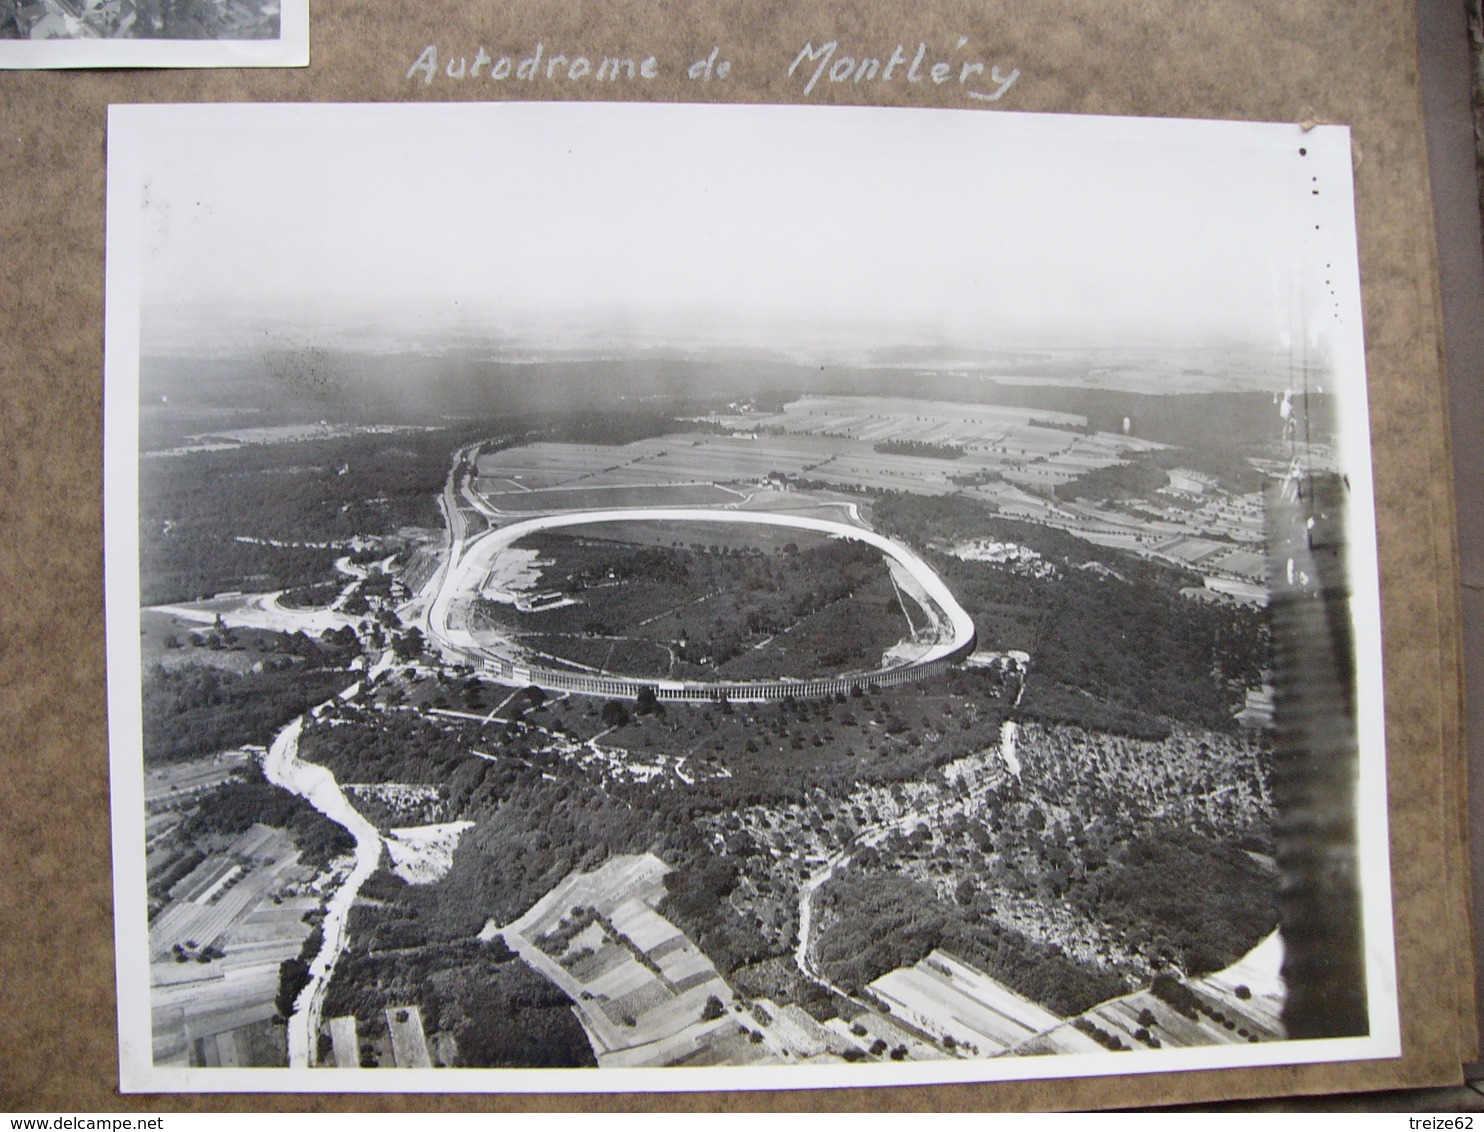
[1316,760]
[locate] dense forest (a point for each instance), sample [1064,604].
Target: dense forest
[879,921]
[1116,483]
[709,612]
[537,818]
[1146,843]
[1146,474]
[500,1012]
[1201,423]
[238,806]
[1189,899]
[437,380]
[276,516]
[619,427]
[1114,644]
[200,710]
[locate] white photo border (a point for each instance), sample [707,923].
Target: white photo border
[290,49]
[129,129]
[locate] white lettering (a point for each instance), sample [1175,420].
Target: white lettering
[427,63]
[529,67]
[995,76]
[703,68]
[811,54]
[814,62]
[898,58]
[912,75]
[611,67]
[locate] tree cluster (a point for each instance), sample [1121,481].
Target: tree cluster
[882,920]
[193,712]
[301,495]
[237,806]
[921,448]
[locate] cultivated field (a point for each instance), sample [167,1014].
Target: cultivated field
[1242,1004]
[996,803]
[833,439]
[943,996]
[640,987]
[216,947]
[176,782]
[1010,458]
[409,1044]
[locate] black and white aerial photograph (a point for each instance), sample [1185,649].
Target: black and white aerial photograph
[153,33]
[660,597]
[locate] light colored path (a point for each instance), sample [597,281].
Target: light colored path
[802,959]
[317,786]
[257,611]
[1009,737]
[937,813]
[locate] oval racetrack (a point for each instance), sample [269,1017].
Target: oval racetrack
[470,567]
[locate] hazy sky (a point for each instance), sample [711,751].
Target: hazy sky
[770,226]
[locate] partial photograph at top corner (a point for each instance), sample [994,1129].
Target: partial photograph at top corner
[153,33]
